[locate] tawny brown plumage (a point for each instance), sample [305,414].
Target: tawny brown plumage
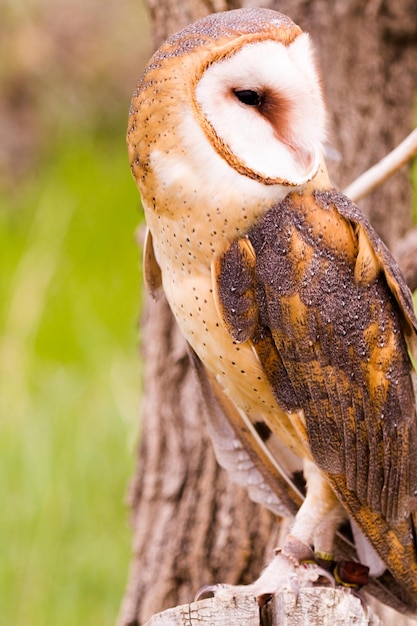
[297,315]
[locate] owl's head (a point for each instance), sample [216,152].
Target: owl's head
[235,92]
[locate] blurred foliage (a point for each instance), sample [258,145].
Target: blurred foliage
[63,63]
[70,375]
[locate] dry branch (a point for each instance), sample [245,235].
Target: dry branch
[382,170]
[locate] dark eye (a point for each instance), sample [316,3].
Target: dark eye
[248,96]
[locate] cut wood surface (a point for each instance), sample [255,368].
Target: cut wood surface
[319,606]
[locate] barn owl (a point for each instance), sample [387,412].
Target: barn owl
[298,319]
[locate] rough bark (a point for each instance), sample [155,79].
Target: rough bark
[191,525]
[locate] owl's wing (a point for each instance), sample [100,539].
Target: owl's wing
[151,270]
[326,309]
[374,257]
[247,459]
[240,450]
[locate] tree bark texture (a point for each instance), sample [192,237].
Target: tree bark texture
[192,526]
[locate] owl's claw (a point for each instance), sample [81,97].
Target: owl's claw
[286,571]
[207,590]
[324,577]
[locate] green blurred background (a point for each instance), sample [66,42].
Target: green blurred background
[70,377]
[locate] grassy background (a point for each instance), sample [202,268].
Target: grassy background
[69,304]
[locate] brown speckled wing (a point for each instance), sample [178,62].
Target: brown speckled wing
[328,327]
[371,244]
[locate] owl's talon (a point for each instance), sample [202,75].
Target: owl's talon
[295,586]
[204,592]
[283,572]
[321,573]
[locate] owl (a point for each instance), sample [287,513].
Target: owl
[298,319]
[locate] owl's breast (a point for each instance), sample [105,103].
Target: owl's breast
[188,286]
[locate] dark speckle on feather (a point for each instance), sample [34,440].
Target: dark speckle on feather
[252,20]
[329,344]
[263,430]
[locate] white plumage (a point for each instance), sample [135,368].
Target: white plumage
[286,75]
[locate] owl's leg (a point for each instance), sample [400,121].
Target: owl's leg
[294,565]
[320,515]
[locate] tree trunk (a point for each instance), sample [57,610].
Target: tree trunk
[191,525]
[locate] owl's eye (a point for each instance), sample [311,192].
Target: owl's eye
[248,96]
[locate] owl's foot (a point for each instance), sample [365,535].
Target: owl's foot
[293,567]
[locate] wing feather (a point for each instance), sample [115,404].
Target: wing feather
[374,256]
[234,293]
[269,480]
[367,353]
[329,315]
[151,270]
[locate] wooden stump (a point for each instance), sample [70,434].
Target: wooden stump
[319,606]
